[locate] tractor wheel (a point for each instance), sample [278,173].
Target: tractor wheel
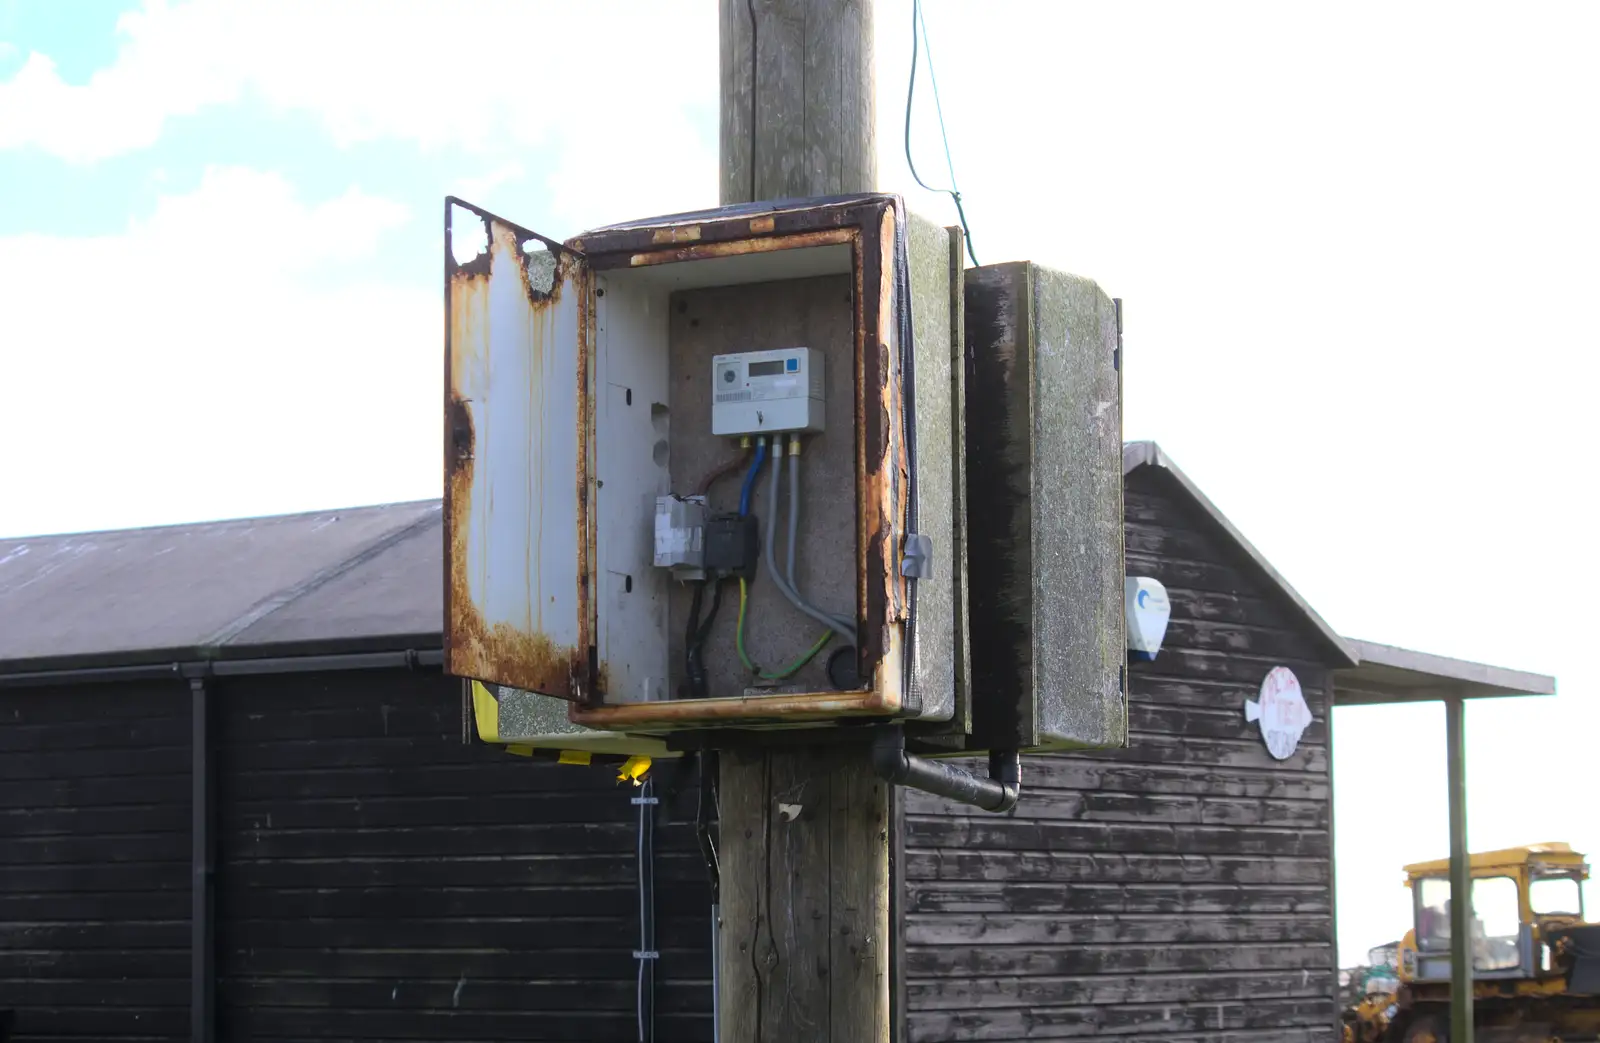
[1427,1029]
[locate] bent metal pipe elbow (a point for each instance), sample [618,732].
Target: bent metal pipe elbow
[1005,768]
[998,793]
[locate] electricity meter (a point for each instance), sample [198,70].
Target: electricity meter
[764,392]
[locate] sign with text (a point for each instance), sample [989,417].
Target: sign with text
[1281,711]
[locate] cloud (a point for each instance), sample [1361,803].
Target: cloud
[204,364]
[483,187]
[159,74]
[256,218]
[484,77]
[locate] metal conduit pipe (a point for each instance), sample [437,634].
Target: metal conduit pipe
[997,793]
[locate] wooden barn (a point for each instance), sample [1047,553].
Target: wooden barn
[240,803]
[1179,887]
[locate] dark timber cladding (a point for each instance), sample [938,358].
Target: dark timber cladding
[374,876]
[94,861]
[1179,888]
[379,879]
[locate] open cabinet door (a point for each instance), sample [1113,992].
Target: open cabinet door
[516,436]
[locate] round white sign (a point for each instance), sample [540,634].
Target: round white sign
[1282,711]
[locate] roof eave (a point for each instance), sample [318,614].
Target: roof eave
[1478,680]
[234,660]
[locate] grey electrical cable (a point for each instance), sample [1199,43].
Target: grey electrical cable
[794,514]
[836,625]
[848,633]
[794,526]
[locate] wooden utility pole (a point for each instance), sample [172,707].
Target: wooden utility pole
[797,105]
[805,936]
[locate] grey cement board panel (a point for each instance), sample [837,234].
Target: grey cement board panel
[936,628]
[816,313]
[1044,503]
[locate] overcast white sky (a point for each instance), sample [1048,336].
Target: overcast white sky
[1357,244]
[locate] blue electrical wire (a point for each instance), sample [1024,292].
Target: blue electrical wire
[750,478]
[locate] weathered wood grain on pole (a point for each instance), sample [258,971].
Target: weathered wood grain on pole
[804,952]
[805,939]
[858,886]
[797,115]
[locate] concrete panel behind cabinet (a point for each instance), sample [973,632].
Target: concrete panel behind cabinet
[999,415]
[1080,644]
[938,628]
[816,313]
[1044,507]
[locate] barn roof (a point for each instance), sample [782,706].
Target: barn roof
[356,580]
[368,580]
[1399,675]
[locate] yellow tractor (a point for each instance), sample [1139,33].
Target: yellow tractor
[1535,961]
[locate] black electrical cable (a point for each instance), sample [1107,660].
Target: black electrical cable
[693,671]
[918,27]
[695,636]
[711,615]
[702,820]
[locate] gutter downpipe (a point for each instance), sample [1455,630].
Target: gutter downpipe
[410,659]
[997,794]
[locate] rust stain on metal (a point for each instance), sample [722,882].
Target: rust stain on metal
[467,294]
[740,247]
[893,410]
[473,648]
[676,234]
[682,713]
[762,225]
[863,487]
[879,502]
[540,298]
[585,686]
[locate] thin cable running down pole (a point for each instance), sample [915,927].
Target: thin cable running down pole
[919,28]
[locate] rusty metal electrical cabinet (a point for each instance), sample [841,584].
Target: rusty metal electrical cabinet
[1044,510]
[578,396]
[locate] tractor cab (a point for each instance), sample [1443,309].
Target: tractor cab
[1522,899]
